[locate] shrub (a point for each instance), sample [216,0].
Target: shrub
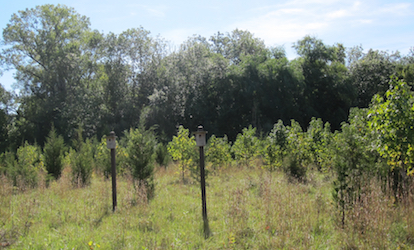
[352,165]
[162,157]
[218,151]
[53,153]
[247,145]
[275,149]
[182,148]
[298,153]
[140,150]
[24,170]
[81,160]
[103,159]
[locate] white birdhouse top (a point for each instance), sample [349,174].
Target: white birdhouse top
[111,140]
[200,136]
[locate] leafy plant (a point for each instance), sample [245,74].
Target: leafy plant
[183,149]
[392,119]
[162,157]
[218,151]
[23,171]
[53,153]
[82,160]
[298,154]
[276,146]
[141,152]
[247,146]
[352,166]
[103,158]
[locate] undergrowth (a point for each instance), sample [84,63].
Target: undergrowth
[248,208]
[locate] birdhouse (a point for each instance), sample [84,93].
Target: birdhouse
[111,140]
[200,136]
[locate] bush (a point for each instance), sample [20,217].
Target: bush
[298,153]
[276,146]
[53,153]
[140,150]
[218,151]
[247,146]
[162,157]
[81,160]
[352,165]
[183,149]
[23,171]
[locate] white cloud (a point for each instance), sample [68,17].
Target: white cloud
[156,11]
[178,36]
[338,14]
[291,21]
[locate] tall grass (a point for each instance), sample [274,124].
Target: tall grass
[248,208]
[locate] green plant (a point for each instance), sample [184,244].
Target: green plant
[276,146]
[53,153]
[29,164]
[103,158]
[218,151]
[141,152]
[247,145]
[391,118]
[81,160]
[162,157]
[183,149]
[298,153]
[351,166]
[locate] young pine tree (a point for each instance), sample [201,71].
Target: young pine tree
[53,154]
[140,150]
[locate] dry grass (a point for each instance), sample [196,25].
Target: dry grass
[248,208]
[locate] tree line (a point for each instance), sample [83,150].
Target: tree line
[69,76]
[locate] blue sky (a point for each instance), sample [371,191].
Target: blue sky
[383,25]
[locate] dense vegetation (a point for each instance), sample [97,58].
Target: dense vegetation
[333,128]
[68,75]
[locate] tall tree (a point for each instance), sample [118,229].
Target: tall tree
[48,46]
[327,94]
[370,73]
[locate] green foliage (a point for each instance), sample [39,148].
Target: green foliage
[352,165]
[218,151]
[319,138]
[141,152]
[162,157]
[276,146]
[23,168]
[81,160]
[370,74]
[183,149]
[53,153]
[295,165]
[391,118]
[247,146]
[103,158]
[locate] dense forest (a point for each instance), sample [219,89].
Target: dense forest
[68,76]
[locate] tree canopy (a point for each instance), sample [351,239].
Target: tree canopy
[69,75]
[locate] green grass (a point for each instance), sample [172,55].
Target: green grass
[248,208]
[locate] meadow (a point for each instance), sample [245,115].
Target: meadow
[248,208]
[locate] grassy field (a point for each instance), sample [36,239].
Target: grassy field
[248,208]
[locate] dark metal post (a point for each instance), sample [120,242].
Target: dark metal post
[200,137]
[113,170]
[203,194]
[111,144]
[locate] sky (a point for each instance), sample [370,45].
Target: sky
[374,24]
